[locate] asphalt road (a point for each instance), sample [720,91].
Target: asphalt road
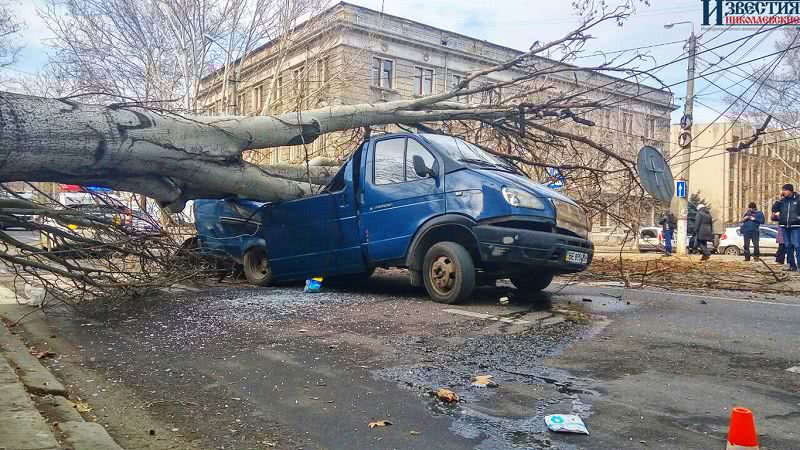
[239,367]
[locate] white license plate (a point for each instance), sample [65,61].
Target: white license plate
[577,257]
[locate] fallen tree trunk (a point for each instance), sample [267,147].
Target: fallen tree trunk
[171,157]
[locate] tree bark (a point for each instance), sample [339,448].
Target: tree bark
[172,157]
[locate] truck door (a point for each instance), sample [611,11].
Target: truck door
[396,200]
[347,250]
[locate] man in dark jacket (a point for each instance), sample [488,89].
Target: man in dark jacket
[788,211]
[668,224]
[703,230]
[751,223]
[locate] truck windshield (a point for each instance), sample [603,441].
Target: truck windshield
[463,151]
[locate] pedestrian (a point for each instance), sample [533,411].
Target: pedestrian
[703,230]
[668,224]
[788,211]
[780,255]
[751,223]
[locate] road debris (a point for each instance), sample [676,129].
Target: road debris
[565,423]
[41,355]
[503,300]
[81,406]
[379,423]
[414,433]
[446,395]
[483,381]
[313,285]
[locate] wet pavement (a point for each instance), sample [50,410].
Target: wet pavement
[241,367]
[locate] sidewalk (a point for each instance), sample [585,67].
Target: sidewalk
[35,413]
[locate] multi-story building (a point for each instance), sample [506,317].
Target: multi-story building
[350,54]
[729,180]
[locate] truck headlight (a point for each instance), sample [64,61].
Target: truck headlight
[521,199]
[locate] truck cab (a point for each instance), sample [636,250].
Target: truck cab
[451,213]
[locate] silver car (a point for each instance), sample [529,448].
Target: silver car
[732,241]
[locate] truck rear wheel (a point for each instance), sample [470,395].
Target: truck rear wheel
[448,273]
[532,283]
[256,267]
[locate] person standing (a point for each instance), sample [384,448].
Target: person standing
[668,224]
[788,211]
[751,224]
[780,255]
[703,230]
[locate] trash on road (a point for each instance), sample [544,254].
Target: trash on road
[503,300]
[483,381]
[41,355]
[313,285]
[446,395]
[565,423]
[415,433]
[379,423]
[81,406]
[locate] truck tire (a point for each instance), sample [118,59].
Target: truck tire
[256,266]
[448,273]
[532,283]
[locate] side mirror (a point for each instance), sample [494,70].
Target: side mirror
[421,169]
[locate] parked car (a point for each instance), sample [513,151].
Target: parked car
[445,209]
[651,239]
[107,207]
[732,241]
[21,217]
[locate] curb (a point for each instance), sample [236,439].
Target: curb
[25,416]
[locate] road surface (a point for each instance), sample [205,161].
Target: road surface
[241,367]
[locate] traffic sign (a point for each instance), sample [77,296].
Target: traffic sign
[556,179]
[680,189]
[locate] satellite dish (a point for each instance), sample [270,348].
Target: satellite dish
[655,175]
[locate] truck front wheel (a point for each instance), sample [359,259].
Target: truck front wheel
[448,273]
[256,267]
[532,283]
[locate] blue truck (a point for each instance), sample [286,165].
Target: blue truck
[453,214]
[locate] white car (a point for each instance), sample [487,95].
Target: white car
[651,239]
[732,242]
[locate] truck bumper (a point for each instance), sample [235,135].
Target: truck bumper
[504,246]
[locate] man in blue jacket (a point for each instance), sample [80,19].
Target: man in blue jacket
[788,212]
[751,222]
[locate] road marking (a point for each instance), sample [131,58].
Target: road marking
[478,315]
[794,369]
[742,300]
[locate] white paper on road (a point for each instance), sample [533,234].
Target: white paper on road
[565,423]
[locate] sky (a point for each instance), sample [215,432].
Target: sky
[519,23]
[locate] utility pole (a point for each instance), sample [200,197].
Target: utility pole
[685,143]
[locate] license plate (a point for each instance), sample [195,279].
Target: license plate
[577,257]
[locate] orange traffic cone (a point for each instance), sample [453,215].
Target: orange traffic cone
[742,432]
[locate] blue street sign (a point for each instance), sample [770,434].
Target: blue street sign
[556,180]
[680,189]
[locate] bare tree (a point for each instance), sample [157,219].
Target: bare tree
[10,26]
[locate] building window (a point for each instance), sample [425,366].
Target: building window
[423,81]
[389,159]
[241,105]
[627,123]
[650,128]
[492,95]
[322,70]
[258,99]
[383,73]
[300,87]
[279,88]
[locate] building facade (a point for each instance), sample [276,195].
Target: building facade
[350,54]
[730,180]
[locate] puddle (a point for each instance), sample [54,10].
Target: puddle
[511,415]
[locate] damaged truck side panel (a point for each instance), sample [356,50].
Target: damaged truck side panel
[451,213]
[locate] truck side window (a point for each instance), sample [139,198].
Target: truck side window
[415,148]
[389,159]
